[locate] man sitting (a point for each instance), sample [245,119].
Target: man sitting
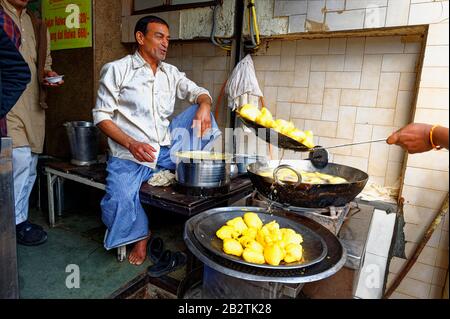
[136,96]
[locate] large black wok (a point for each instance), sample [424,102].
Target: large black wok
[308,195]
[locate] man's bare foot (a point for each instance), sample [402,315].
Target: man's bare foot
[139,252]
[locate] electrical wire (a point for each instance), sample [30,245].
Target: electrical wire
[224,44]
[253,26]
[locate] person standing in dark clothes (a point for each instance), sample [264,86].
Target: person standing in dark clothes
[26,120]
[14,71]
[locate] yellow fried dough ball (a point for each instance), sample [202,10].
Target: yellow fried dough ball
[232,247]
[272,226]
[265,118]
[254,245]
[283,126]
[294,252]
[226,232]
[266,244]
[337,180]
[273,254]
[274,229]
[309,139]
[251,243]
[308,142]
[289,236]
[260,236]
[268,234]
[238,224]
[315,180]
[253,256]
[297,135]
[250,232]
[249,111]
[245,240]
[252,220]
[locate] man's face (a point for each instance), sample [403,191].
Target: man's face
[155,42]
[19,4]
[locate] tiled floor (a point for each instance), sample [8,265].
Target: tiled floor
[77,240]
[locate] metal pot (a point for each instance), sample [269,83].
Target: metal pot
[309,195]
[203,169]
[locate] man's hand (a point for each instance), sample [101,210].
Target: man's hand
[143,152]
[414,138]
[202,119]
[50,74]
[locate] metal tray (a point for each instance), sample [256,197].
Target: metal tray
[314,247]
[283,141]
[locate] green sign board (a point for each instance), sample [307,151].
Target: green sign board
[69,23]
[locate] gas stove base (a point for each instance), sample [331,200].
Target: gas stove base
[207,283]
[330,217]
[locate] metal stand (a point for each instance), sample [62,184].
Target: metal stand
[55,179]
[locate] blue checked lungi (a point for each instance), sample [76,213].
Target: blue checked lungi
[122,211]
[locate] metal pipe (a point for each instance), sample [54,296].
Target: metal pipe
[9,280]
[238,53]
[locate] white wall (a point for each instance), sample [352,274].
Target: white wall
[345,90]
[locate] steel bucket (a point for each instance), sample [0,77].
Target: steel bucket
[83,139]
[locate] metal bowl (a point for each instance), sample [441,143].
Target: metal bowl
[243,160]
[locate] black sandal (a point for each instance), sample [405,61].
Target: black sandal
[29,234]
[156,249]
[169,262]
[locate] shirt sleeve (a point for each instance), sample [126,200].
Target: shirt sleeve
[14,74]
[187,89]
[108,94]
[48,57]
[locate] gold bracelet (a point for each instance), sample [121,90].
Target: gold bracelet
[436,147]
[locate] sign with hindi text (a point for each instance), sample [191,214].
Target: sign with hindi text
[69,23]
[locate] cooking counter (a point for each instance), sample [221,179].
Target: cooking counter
[167,198]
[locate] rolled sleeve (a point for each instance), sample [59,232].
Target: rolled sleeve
[187,89]
[107,95]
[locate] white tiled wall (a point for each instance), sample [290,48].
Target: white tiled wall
[426,176]
[344,90]
[205,64]
[363,86]
[387,71]
[338,15]
[375,78]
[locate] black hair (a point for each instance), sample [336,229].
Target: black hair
[142,24]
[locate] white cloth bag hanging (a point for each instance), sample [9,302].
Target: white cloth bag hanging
[242,86]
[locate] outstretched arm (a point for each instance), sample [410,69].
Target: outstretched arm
[415,137]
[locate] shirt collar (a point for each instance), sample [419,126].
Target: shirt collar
[139,62]
[9,8]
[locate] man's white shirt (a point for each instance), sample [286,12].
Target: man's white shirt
[139,102]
